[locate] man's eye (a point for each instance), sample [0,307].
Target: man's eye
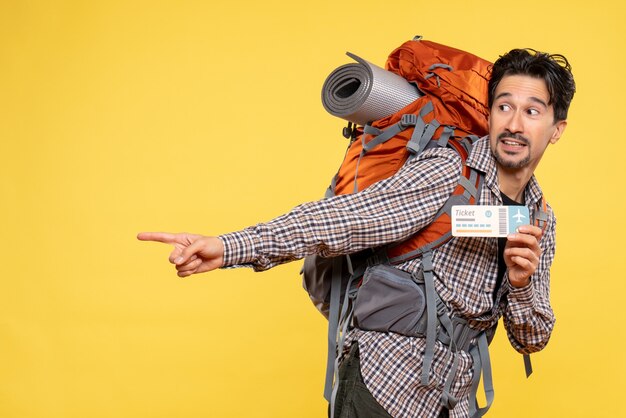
[533,112]
[505,107]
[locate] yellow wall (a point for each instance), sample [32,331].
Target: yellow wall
[123,116]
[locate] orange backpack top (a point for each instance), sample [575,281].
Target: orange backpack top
[453,106]
[452,81]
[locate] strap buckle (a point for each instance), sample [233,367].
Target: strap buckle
[408,119]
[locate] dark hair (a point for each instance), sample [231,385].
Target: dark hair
[554,69]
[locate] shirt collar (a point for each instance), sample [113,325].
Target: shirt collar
[481,159]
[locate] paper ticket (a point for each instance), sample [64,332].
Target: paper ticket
[487,221]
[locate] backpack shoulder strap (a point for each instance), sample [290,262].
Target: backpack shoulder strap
[540,216]
[540,219]
[439,231]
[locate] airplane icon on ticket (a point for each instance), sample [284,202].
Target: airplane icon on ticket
[519,216]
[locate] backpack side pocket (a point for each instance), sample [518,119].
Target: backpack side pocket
[389,300]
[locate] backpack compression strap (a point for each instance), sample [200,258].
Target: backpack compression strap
[423,132]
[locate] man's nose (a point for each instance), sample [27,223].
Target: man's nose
[515,123]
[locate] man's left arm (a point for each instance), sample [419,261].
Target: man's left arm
[528,317]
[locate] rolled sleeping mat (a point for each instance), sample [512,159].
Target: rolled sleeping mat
[362,92]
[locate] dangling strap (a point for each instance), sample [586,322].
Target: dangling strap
[482,363]
[528,366]
[344,322]
[449,333]
[333,324]
[540,219]
[447,400]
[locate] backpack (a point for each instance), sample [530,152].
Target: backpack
[452,112]
[453,106]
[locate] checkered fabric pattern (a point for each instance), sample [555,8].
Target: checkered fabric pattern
[465,271]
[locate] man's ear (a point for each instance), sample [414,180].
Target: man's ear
[559,128]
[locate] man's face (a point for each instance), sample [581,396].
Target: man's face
[521,123]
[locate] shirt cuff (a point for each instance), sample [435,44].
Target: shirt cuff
[521,298]
[239,248]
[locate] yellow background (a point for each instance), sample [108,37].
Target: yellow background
[205,116]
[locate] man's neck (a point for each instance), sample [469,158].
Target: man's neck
[513,182]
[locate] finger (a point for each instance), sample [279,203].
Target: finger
[176,253]
[531,230]
[520,255]
[189,251]
[189,266]
[523,240]
[525,264]
[163,237]
[185,273]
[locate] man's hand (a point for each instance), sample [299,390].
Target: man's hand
[522,253]
[192,253]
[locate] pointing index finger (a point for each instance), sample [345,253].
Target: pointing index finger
[163,237]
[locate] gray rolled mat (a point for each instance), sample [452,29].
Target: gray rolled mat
[362,92]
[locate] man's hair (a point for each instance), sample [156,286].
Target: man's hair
[554,69]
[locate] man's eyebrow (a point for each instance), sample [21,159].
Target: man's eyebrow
[532,98]
[538,100]
[503,94]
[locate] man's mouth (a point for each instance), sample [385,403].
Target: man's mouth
[513,143]
[512,140]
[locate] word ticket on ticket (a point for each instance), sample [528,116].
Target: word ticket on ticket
[487,221]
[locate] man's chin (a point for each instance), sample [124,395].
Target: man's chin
[507,161]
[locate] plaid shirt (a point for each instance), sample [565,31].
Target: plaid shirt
[465,271]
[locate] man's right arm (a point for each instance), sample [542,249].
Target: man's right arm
[388,211]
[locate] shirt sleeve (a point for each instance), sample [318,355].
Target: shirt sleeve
[388,211]
[528,317]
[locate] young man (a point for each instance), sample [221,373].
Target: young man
[478,279]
